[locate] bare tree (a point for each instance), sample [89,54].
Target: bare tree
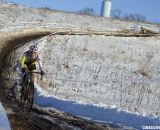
[86,11]
[135,17]
[140,18]
[116,14]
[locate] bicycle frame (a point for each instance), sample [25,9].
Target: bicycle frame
[27,92]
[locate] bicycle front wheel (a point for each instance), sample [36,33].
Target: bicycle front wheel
[30,96]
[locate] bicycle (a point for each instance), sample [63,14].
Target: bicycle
[27,92]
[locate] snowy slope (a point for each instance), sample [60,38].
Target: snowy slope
[93,111]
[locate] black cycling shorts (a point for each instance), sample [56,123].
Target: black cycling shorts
[30,67]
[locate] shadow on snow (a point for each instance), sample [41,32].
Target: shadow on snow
[96,113]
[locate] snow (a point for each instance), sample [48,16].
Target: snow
[105,74]
[93,112]
[4,123]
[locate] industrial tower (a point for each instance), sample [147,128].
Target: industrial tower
[106,8]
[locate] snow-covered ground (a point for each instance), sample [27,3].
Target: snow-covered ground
[93,112]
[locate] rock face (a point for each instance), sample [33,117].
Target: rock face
[94,61]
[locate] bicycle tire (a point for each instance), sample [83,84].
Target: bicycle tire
[27,95]
[24,93]
[30,96]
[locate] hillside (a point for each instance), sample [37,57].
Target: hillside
[95,68]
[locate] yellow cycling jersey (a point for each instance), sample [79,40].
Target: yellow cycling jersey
[26,60]
[23,59]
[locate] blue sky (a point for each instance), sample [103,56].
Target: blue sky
[149,8]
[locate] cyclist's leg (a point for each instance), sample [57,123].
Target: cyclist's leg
[34,79]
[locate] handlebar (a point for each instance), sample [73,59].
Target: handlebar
[37,73]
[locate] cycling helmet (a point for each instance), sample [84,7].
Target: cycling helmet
[33,48]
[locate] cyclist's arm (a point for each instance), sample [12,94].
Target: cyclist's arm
[23,59]
[39,62]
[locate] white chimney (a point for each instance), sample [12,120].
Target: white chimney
[106,8]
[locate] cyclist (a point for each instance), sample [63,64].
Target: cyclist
[29,61]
